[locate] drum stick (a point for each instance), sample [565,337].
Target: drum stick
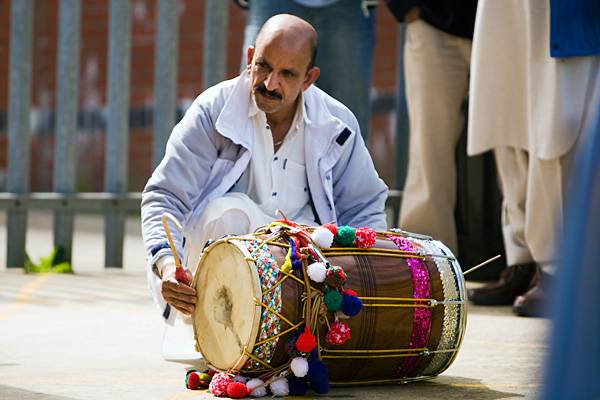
[165,218]
[481,265]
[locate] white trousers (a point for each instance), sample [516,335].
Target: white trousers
[437,79]
[535,190]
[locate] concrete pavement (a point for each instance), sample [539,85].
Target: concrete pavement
[97,335]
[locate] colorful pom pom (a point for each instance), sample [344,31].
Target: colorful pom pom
[297,386]
[320,387]
[218,384]
[257,387]
[332,228]
[345,235]
[192,380]
[237,390]
[316,370]
[205,380]
[280,387]
[333,300]
[306,342]
[322,237]
[365,237]
[336,276]
[351,305]
[287,264]
[240,378]
[299,367]
[317,272]
[349,292]
[338,334]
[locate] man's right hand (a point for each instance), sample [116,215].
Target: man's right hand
[178,294]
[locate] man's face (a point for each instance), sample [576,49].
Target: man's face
[279,73]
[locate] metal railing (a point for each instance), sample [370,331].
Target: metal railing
[115,201]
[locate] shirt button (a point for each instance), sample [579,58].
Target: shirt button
[274,194]
[268,127]
[328,177]
[275,158]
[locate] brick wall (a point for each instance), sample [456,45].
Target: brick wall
[93,62]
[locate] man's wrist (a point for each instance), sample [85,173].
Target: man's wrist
[163,264]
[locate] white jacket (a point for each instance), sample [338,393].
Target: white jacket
[210,148]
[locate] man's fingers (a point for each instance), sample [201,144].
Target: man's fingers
[175,286]
[181,306]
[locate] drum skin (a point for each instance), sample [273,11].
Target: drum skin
[380,348]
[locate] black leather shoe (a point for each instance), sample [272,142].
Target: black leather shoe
[533,303]
[513,282]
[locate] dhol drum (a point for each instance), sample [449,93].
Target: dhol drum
[252,307]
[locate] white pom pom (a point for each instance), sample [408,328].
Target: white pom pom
[339,314]
[322,237]
[256,385]
[299,367]
[317,272]
[240,378]
[280,387]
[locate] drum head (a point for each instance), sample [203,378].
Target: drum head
[226,319]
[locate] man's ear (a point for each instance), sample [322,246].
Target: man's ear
[311,76]
[249,55]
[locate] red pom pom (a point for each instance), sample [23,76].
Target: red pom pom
[332,228]
[218,384]
[306,342]
[211,372]
[181,275]
[338,334]
[365,237]
[349,292]
[193,381]
[237,390]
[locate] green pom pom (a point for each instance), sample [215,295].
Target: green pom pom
[333,300]
[204,377]
[345,235]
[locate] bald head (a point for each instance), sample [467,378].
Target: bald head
[296,34]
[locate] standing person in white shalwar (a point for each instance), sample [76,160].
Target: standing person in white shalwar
[531,108]
[263,141]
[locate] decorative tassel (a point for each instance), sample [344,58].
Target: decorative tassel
[299,367]
[280,387]
[345,235]
[287,265]
[351,305]
[218,384]
[365,237]
[322,237]
[338,334]
[331,228]
[316,370]
[320,387]
[298,386]
[237,390]
[257,388]
[336,277]
[317,272]
[192,380]
[333,300]
[306,342]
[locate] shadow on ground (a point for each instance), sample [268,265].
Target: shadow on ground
[13,393]
[446,387]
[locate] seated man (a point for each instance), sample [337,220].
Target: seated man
[246,147]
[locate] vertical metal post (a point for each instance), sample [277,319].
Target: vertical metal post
[216,15]
[117,129]
[165,76]
[67,79]
[401,119]
[21,26]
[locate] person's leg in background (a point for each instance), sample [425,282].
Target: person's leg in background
[437,78]
[346,32]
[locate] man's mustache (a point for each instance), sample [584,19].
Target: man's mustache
[262,89]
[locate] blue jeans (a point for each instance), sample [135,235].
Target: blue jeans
[345,50]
